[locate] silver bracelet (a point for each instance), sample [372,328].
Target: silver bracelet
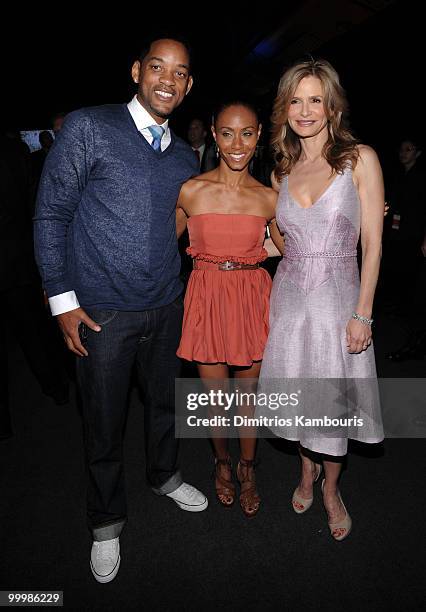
[362,319]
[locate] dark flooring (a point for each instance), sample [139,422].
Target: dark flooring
[173,560]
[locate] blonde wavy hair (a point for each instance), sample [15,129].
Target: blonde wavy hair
[341,146]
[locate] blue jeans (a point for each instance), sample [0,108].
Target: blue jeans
[148,339]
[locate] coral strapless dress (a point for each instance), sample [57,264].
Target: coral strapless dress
[226,318]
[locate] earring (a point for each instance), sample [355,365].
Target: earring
[216,148]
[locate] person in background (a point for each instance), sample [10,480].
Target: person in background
[405,248]
[405,228]
[207,160]
[197,138]
[22,309]
[58,121]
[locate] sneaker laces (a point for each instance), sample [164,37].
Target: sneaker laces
[188,490]
[106,551]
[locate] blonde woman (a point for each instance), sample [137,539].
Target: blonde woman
[330,192]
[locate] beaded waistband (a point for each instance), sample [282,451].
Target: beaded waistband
[223,266]
[320,254]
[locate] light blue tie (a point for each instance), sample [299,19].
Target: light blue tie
[157,133]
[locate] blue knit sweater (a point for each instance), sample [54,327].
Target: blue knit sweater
[105,216]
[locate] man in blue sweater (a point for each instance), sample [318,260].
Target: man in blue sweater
[106,248]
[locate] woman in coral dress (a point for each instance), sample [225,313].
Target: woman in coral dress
[225,324]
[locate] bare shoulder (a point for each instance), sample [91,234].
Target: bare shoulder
[188,185]
[185,193]
[269,200]
[194,189]
[267,192]
[368,167]
[367,158]
[271,194]
[193,185]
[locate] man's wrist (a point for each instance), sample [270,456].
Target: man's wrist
[63,302]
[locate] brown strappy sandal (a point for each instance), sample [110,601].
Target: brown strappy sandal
[225,489]
[249,498]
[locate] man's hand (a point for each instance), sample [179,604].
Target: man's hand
[69,323]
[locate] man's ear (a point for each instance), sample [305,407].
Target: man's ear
[136,70]
[189,85]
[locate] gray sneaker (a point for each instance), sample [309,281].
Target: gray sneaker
[189,498]
[105,560]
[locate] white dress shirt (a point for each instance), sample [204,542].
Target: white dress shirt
[143,120]
[64,302]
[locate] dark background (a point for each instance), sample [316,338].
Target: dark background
[68,58]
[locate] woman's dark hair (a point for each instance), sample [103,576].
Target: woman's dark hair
[234,102]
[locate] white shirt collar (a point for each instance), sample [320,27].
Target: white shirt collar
[142,118]
[200,149]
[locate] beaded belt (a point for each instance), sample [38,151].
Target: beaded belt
[224,266]
[319,254]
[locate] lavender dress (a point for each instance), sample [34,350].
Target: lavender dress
[315,291]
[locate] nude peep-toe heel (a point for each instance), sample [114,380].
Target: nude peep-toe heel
[300,504]
[340,530]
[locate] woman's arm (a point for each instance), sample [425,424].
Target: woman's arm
[275,244]
[181,220]
[181,216]
[369,181]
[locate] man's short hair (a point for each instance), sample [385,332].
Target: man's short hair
[177,37]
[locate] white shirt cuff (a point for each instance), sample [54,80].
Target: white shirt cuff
[64,302]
